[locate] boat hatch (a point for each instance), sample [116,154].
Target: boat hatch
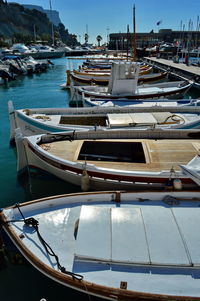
[139,119]
[84,120]
[131,119]
[122,235]
[112,151]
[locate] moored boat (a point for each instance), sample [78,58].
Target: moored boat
[93,79]
[123,83]
[110,245]
[50,120]
[123,102]
[112,159]
[102,77]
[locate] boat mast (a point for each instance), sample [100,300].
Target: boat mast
[127,45]
[52,30]
[134,34]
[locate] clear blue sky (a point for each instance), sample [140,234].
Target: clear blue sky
[111,16]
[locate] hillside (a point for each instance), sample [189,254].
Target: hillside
[17,21]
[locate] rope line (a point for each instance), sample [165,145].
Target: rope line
[32,222]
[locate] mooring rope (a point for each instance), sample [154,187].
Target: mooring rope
[32,222]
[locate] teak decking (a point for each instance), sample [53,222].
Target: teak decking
[159,155]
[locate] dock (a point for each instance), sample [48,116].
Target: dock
[178,70]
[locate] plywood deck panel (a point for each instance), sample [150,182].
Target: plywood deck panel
[128,236]
[163,236]
[189,223]
[94,233]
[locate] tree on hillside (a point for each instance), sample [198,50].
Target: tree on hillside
[21,38]
[99,38]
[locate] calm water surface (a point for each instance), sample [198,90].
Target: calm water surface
[23,282]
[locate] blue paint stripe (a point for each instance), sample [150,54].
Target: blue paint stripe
[39,125]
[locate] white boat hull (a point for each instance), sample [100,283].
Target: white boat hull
[96,178]
[166,273]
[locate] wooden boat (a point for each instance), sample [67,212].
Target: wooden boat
[99,73]
[99,76]
[102,77]
[111,159]
[123,83]
[50,120]
[107,63]
[92,79]
[114,245]
[153,91]
[122,102]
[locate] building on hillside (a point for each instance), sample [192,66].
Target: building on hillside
[122,41]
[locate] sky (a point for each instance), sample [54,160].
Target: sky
[103,17]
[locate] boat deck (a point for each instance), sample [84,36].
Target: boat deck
[110,242]
[158,155]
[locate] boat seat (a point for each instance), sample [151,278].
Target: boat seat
[128,119]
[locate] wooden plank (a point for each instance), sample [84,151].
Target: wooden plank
[181,67]
[123,119]
[129,243]
[189,224]
[166,246]
[94,234]
[143,118]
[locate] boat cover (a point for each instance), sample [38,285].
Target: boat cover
[149,235]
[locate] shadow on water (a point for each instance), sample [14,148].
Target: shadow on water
[38,185]
[29,284]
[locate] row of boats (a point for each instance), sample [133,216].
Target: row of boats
[130,234]
[124,80]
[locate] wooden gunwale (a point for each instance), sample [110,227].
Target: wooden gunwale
[107,73]
[97,81]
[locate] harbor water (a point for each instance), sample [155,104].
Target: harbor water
[21,282]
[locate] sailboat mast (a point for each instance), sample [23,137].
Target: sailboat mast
[127,45]
[52,30]
[134,33]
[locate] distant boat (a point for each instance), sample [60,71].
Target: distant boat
[102,77]
[111,159]
[37,51]
[93,79]
[114,245]
[51,120]
[123,102]
[123,83]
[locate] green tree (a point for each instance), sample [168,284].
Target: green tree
[86,38]
[99,38]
